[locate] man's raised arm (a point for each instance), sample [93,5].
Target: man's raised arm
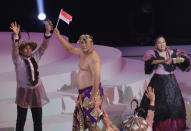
[66,44]
[47,35]
[15,37]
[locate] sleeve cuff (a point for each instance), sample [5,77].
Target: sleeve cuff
[47,36]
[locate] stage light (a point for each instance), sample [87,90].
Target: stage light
[41,16]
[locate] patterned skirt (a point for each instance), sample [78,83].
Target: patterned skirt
[85,115]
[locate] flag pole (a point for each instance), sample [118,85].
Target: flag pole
[57,22]
[58,19]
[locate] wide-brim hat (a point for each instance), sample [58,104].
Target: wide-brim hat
[25,43]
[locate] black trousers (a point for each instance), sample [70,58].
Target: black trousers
[21,118]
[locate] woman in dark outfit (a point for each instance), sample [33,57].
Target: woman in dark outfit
[170,114]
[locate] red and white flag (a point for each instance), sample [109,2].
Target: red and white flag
[65,16]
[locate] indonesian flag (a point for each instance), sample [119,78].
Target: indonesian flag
[65,16]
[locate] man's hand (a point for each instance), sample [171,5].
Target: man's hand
[56,32]
[48,26]
[15,28]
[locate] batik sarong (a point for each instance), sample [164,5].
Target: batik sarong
[85,114]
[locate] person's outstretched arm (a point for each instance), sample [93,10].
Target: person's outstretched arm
[151,96]
[47,36]
[66,44]
[15,37]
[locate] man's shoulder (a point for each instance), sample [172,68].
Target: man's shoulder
[95,58]
[95,55]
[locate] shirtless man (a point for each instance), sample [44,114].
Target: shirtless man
[88,81]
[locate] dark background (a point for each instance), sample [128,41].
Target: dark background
[112,23]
